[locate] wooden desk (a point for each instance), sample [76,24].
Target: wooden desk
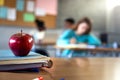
[89,49]
[46,43]
[74,69]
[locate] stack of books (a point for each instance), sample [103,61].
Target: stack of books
[8,61]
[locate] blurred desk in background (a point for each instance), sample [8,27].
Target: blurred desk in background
[73,69]
[89,49]
[47,43]
[93,50]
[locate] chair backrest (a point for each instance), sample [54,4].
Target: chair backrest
[104,38]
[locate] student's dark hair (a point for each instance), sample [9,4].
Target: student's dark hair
[40,24]
[87,21]
[70,20]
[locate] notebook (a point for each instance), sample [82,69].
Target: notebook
[10,62]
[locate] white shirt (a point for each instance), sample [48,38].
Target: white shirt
[37,35]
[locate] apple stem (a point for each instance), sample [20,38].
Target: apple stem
[21,32]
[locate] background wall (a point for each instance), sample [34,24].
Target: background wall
[94,9]
[113,19]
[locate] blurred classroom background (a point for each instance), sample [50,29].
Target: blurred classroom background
[20,14]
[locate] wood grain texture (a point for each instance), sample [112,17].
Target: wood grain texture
[73,69]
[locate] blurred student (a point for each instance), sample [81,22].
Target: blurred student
[80,34]
[38,35]
[69,23]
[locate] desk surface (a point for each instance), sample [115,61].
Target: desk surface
[74,69]
[46,43]
[88,49]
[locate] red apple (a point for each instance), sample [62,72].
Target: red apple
[21,44]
